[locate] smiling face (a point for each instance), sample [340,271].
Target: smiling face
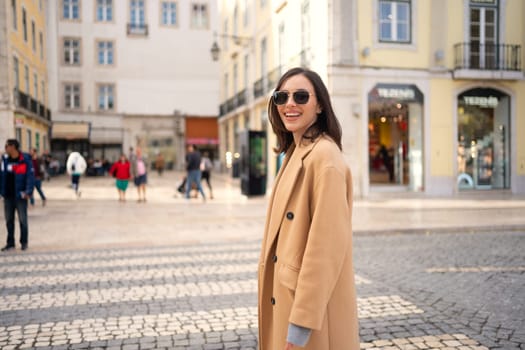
[297,118]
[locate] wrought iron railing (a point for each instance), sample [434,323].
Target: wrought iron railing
[258,88]
[29,104]
[137,29]
[240,98]
[487,56]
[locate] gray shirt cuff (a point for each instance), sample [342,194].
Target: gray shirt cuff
[298,335]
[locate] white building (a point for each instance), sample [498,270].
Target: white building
[126,72]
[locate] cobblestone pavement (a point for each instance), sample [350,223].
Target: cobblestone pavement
[172,274]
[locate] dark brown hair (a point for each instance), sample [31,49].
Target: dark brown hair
[326,120]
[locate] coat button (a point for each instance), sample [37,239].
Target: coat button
[274,258]
[272,300]
[289,215]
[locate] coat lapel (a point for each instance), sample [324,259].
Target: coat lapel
[282,191]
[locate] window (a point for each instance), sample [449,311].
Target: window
[104,10]
[41,40]
[236,20]
[282,46]
[71,9]
[246,13]
[199,15]
[226,86]
[17,73]
[24,23]
[169,13]
[235,78]
[37,142]
[40,7]
[29,140]
[15,14]
[26,78]
[33,35]
[106,97]
[225,38]
[43,92]
[105,52]
[35,86]
[72,51]
[18,132]
[246,70]
[72,96]
[305,31]
[483,35]
[394,21]
[137,16]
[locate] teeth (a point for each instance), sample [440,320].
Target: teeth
[292,114]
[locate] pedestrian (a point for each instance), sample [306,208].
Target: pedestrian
[306,293]
[16,185]
[159,163]
[122,172]
[38,169]
[193,166]
[140,176]
[76,166]
[206,168]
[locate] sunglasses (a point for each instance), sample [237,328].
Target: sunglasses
[300,97]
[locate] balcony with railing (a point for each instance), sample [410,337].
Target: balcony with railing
[138,29]
[29,104]
[487,61]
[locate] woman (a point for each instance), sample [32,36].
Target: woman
[140,177]
[307,292]
[121,171]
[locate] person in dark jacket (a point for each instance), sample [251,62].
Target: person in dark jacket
[16,186]
[193,166]
[39,176]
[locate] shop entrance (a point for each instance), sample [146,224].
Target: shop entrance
[483,153]
[395,150]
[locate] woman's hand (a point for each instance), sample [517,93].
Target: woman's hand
[288,346]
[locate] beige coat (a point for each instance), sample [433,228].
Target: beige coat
[306,274]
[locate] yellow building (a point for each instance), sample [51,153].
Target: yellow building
[429,92]
[24,109]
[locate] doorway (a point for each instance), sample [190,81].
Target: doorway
[395,142]
[483,153]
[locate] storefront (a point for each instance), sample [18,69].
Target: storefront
[483,144]
[395,137]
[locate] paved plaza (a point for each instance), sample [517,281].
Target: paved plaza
[440,273]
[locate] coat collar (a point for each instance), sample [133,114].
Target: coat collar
[282,190]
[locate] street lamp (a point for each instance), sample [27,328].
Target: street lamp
[238,40]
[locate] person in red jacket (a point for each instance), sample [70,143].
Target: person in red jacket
[121,171]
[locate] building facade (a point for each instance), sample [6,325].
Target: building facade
[429,93]
[24,109]
[126,73]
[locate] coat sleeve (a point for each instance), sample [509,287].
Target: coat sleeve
[326,248]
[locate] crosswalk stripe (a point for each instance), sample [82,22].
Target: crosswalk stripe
[112,254]
[127,275]
[131,261]
[123,327]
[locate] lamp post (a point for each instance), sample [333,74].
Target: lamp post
[238,40]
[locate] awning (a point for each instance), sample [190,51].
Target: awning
[70,131]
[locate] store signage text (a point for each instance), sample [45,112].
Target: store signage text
[481,101]
[407,94]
